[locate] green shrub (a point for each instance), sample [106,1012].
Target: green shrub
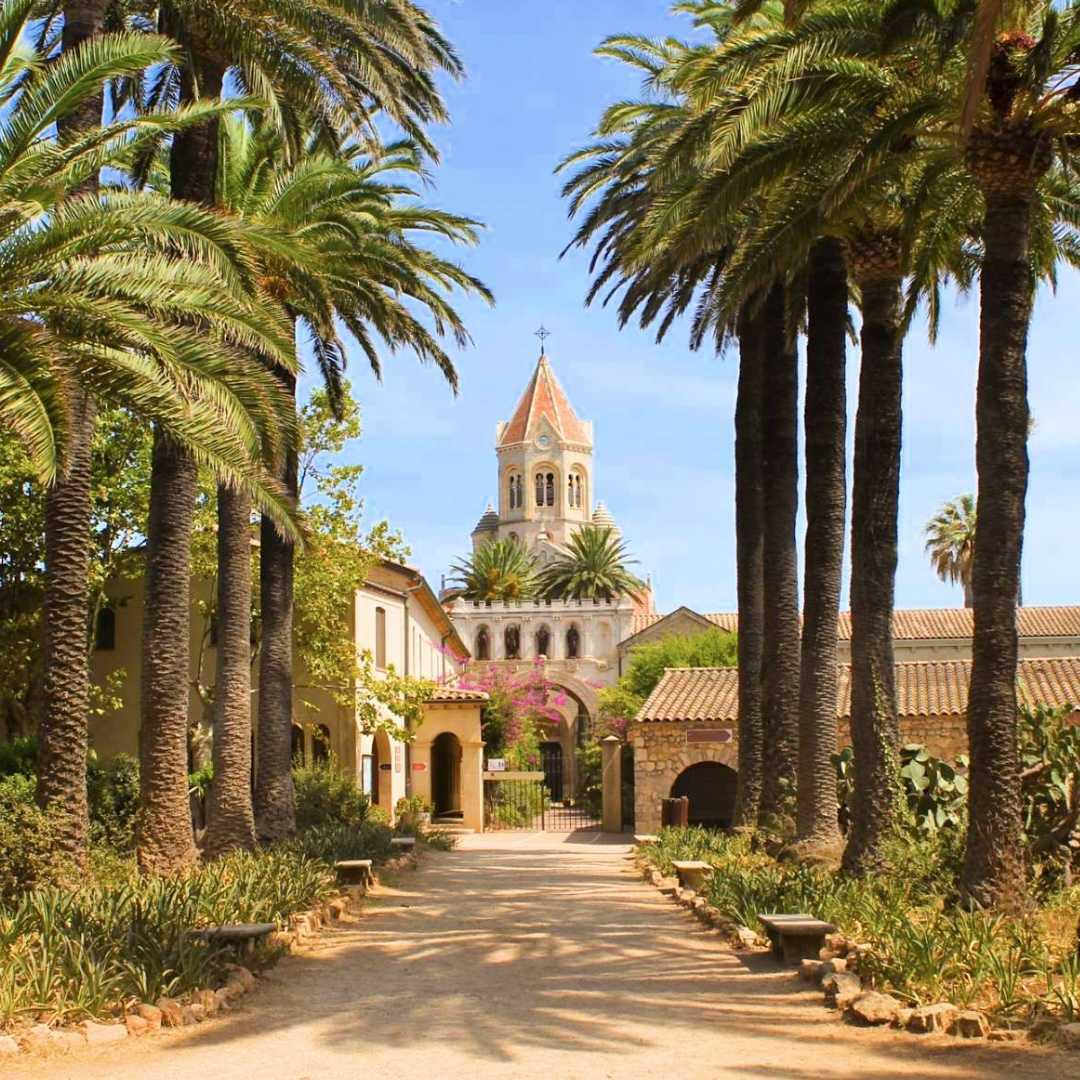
[83,952]
[923,946]
[331,841]
[113,791]
[28,853]
[18,757]
[325,795]
[410,813]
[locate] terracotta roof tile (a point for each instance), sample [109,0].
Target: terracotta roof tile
[912,624]
[923,688]
[544,398]
[448,695]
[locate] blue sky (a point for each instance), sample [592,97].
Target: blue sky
[662,415]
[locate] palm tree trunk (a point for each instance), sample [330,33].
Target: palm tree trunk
[275,815]
[780,469]
[231,823]
[826,500]
[62,737]
[874,725]
[164,838]
[993,870]
[749,538]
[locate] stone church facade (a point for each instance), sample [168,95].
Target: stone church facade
[546,485]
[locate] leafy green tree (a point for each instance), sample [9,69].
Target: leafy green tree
[647,663]
[950,543]
[593,565]
[496,570]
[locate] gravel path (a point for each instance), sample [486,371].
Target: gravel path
[527,956]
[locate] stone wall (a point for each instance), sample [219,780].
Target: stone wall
[662,751]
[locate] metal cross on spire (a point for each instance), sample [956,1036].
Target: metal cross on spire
[543,334]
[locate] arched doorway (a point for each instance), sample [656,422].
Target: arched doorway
[446,775]
[382,779]
[551,761]
[710,787]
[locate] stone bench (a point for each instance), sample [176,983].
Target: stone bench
[241,936]
[796,937]
[644,839]
[403,843]
[692,873]
[354,871]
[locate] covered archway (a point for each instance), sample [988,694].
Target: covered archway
[551,761]
[710,787]
[446,775]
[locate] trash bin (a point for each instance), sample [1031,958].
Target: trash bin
[675,813]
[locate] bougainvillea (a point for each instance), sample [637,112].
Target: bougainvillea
[521,704]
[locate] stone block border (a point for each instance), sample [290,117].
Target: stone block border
[146,1019]
[837,974]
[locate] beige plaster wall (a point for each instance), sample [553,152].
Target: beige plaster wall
[462,720]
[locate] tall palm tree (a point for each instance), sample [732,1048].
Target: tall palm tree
[496,570]
[825,424]
[780,477]
[950,543]
[355,217]
[593,565]
[90,307]
[338,65]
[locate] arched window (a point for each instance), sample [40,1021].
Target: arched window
[570,491]
[320,745]
[573,643]
[380,638]
[515,491]
[512,642]
[539,489]
[550,489]
[105,630]
[483,644]
[543,642]
[297,744]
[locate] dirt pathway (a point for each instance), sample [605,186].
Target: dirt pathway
[534,956]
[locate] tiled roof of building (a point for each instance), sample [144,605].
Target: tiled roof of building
[545,399]
[449,695]
[923,688]
[912,624]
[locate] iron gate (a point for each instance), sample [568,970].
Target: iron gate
[524,801]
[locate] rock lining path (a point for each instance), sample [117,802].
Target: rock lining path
[534,956]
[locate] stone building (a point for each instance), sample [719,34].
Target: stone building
[685,737]
[547,491]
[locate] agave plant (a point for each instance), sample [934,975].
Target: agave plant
[498,570]
[593,566]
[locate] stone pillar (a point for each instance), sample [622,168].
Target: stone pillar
[472,785]
[611,783]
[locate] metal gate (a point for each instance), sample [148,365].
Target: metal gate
[524,801]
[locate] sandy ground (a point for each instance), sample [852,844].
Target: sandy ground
[525,955]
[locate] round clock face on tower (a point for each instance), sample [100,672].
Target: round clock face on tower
[543,441]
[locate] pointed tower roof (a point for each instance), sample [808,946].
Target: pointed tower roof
[488,522]
[544,399]
[602,518]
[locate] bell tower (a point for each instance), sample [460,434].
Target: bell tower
[545,455]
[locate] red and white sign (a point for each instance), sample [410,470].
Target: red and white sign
[419,766]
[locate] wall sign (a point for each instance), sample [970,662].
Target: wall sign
[419,766]
[709,735]
[496,764]
[385,766]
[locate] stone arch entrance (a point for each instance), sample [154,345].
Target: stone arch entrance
[446,775]
[710,787]
[382,780]
[551,761]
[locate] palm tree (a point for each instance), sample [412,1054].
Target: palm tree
[592,566]
[496,570]
[780,477]
[337,65]
[825,424]
[90,307]
[355,216]
[950,543]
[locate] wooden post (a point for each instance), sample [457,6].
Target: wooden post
[611,783]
